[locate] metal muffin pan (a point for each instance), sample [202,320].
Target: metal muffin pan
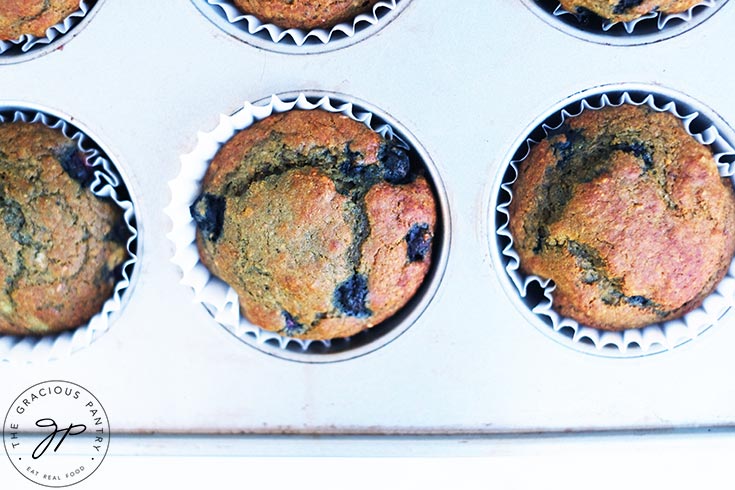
[147,76]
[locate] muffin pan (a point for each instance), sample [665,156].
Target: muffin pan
[155,74]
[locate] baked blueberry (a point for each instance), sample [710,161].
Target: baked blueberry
[419,242]
[208,212]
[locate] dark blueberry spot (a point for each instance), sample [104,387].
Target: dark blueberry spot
[541,235]
[564,150]
[419,242]
[208,212]
[75,165]
[624,5]
[396,164]
[638,301]
[350,297]
[562,146]
[352,156]
[357,172]
[291,326]
[111,275]
[587,17]
[119,233]
[639,150]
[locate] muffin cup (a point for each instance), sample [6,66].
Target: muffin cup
[534,295]
[650,28]
[221,300]
[108,183]
[251,30]
[29,46]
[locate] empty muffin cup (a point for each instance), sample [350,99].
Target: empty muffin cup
[352,299]
[30,37]
[534,295]
[649,28]
[91,166]
[269,36]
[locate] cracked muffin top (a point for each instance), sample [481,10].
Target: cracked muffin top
[60,245]
[18,17]
[305,14]
[626,10]
[627,214]
[322,227]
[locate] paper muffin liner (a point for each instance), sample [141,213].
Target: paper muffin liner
[27,42]
[275,36]
[536,293]
[660,18]
[221,300]
[107,183]
[651,27]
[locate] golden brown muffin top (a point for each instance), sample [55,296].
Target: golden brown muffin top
[627,213]
[18,17]
[317,222]
[59,243]
[305,14]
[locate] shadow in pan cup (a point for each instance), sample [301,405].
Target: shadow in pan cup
[650,28]
[221,301]
[533,296]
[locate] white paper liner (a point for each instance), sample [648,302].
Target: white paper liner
[631,342]
[253,26]
[661,18]
[26,42]
[217,296]
[15,348]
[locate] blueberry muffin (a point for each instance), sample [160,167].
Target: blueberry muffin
[321,226]
[626,10]
[18,17]
[305,14]
[627,214]
[60,245]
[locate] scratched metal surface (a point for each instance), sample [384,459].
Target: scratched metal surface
[146,76]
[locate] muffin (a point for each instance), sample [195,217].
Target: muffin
[60,245]
[322,227]
[19,17]
[627,10]
[305,14]
[627,214]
